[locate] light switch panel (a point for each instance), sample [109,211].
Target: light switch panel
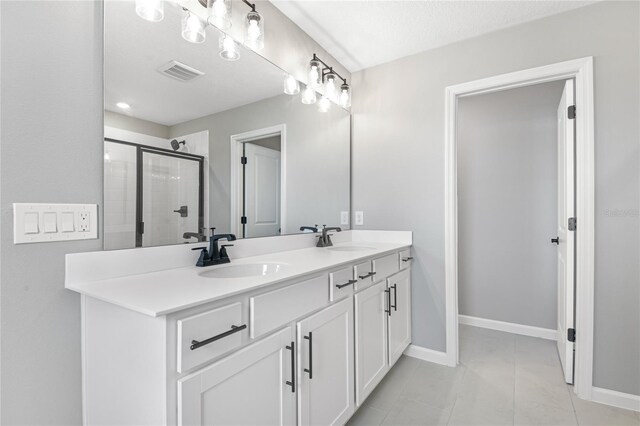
[359,218]
[39,223]
[344,218]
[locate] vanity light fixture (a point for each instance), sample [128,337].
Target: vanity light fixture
[193,28]
[123,105]
[150,10]
[344,98]
[308,96]
[291,85]
[340,95]
[314,73]
[330,89]
[228,48]
[219,13]
[253,28]
[324,104]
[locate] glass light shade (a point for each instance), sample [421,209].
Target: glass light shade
[254,31]
[219,13]
[344,99]
[291,85]
[150,10]
[314,74]
[309,96]
[228,48]
[324,104]
[330,87]
[193,27]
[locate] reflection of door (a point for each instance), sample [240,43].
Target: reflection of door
[261,191]
[168,197]
[566,233]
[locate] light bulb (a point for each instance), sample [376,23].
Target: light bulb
[254,31]
[330,89]
[193,29]
[314,74]
[345,96]
[308,96]
[219,13]
[150,10]
[324,104]
[123,105]
[219,8]
[291,85]
[228,49]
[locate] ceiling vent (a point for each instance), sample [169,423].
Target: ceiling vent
[180,71]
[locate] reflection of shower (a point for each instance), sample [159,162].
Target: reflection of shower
[176,145]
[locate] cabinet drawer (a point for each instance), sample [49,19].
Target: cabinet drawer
[405,259]
[341,283]
[385,266]
[223,327]
[364,274]
[270,310]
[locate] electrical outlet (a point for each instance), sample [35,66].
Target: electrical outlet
[359,218]
[344,218]
[83,222]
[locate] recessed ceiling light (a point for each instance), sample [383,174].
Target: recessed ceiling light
[123,105]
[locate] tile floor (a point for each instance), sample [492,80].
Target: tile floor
[502,379]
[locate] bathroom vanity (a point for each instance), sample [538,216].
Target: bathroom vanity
[289,334]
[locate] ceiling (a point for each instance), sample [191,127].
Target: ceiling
[362,34]
[135,48]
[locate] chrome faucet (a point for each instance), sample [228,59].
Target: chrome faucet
[324,240]
[215,256]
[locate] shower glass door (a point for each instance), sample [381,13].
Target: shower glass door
[169,201]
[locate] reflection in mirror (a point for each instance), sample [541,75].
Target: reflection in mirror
[193,141]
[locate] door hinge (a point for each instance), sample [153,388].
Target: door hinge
[243,160]
[571,334]
[571,112]
[243,220]
[572,224]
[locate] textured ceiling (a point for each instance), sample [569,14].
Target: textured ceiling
[361,34]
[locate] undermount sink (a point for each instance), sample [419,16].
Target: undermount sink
[243,271]
[351,248]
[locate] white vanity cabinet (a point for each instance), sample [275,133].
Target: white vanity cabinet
[399,318]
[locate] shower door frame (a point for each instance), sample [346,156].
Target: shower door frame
[140,150]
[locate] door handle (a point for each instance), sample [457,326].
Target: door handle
[292,383]
[388,311]
[183,210]
[556,240]
[310,369]
[350,282]
[395,298]
[370,274]
[407,259]
[234,329]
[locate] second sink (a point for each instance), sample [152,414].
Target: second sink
[243,271]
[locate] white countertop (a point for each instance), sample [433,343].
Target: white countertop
[163,292]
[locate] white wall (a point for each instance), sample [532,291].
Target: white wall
[137,125]
[398,162]
[507,198]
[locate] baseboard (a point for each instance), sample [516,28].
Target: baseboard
[509,327]
[617,399]
[426,354]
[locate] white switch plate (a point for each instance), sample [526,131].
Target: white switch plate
[359,218]
[344,218]
[83,229]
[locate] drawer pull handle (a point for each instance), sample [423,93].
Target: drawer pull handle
[292,383]
[370,274]
[310,369]
[388,311]
[350,282]
[395,298]
[406,259]
[234,329]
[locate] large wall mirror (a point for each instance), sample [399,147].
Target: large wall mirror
[193,141]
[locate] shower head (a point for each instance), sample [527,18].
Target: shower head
[176,145]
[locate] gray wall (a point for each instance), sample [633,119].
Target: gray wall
[507,198]
[398,162]
[316,158]
[133,124]
[51,151]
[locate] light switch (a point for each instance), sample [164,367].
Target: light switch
[31,223]
[67,222]
[50,222]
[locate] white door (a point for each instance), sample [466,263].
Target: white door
[249,387]
[325,366]
[262,191]
[399,306]
[566,237]
[371,339]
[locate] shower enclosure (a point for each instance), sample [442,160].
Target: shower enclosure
[152,195]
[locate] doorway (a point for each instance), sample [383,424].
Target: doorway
[581,71]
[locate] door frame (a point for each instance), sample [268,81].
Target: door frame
[236,144]
[581,70]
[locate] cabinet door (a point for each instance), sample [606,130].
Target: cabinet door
[250,387]
[371,339]
[399,287]
[325,360]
